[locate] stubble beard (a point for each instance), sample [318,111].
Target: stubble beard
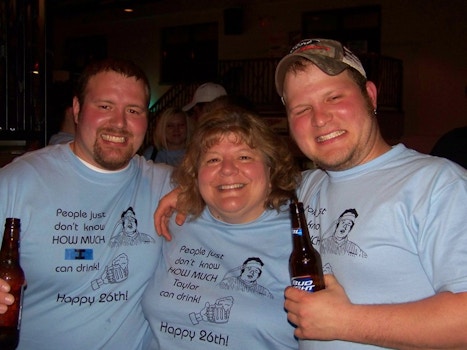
[342,161]
[347,158]
[114,159]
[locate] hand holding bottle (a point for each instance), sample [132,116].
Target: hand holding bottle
[6,299]
[11,271]
[322,315]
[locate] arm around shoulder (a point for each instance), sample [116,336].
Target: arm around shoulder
[165,209]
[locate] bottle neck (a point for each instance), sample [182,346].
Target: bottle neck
[300,233]
[297,238]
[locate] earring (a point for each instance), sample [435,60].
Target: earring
[375,112]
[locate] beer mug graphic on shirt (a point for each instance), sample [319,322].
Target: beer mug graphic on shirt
[116,272]
[219,312]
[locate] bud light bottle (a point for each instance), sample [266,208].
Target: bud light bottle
[305,267]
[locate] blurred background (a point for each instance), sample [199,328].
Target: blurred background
[415,51]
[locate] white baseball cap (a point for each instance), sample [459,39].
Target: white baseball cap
[205,93]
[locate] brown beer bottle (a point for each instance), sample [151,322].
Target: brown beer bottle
[11,271]
[305,267]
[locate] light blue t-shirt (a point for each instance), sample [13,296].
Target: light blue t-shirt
[392,230]
[61,137]
[170,157]
[88,247]
[221,286]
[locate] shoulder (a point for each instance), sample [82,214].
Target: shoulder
[313,175]
[149,166]
[61,137]
[157,175]
[41,158]
[148,152]
[410,162]
[311,182]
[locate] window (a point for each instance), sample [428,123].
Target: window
[358,28]
[189,53]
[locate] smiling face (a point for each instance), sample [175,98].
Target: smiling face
[176,132]
[233,180]
[331,120]
[111,121]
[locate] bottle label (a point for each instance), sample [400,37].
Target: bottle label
[297,231]
[303,283]
[20,313]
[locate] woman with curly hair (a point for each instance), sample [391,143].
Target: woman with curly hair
[221,278]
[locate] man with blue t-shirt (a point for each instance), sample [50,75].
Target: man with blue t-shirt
[88,246]
[397,275]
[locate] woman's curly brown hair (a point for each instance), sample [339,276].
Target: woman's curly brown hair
[249,128]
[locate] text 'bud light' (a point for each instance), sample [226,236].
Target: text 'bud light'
[303,283]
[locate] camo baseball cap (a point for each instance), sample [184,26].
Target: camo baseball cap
[328,55]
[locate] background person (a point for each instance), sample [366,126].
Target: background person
[235,182]
[170,137]
[453,146]
[205,93]
[83,292]
[64,111]
[407,286]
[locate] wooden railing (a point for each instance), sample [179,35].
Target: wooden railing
[386,73]
[254,79]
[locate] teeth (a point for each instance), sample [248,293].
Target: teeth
[330,136]
[230,187]
[110,138]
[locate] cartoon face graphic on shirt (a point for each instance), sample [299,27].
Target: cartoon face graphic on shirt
[126,231]
[250,274]
[247,279]
[339,243]
[130,226]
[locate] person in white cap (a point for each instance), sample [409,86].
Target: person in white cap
[206,92]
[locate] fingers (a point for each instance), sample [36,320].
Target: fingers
[4,286]
[161,222]
[180,219]
[294,294]
[292,303]
[329,280]
[5,297]
[164,211]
